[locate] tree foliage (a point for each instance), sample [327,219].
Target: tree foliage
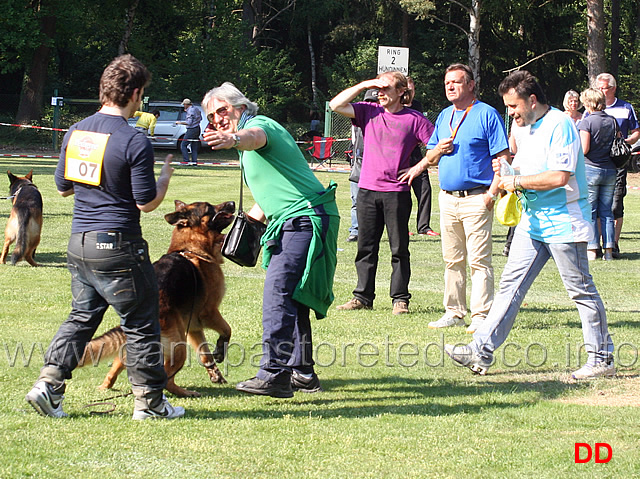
[291,54]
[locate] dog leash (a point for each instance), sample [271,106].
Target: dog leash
[13,195]
[16,193]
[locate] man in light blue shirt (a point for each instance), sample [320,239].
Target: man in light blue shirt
[556,223]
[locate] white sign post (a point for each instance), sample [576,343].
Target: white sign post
[393,59]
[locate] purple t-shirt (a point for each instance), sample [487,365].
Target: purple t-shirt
[389,139]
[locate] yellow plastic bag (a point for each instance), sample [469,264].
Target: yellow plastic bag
[509,209]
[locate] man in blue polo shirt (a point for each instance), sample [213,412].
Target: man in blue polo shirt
[467,136]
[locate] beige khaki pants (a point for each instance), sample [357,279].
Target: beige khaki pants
[465,226]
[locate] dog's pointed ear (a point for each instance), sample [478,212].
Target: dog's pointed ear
[180,205]
[176,219]
[11,176]
[29,175]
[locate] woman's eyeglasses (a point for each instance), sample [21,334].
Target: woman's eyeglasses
[222,111]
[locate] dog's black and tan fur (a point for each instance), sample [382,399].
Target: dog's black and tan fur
[25,221]
[191,285]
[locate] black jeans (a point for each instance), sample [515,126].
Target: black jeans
[120,276]
[619,193]
[422,189]
[377,209]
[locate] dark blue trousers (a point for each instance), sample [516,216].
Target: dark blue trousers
[286,337]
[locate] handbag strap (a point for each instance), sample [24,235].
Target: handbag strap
[241,181]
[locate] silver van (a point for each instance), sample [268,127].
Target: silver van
[167,133]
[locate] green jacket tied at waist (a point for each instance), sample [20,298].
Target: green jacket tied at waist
[315,288]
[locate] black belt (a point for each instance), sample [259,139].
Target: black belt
[118,235]
[463,193]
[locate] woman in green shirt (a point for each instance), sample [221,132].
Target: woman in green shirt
[300,243]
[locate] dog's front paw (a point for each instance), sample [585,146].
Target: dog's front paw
[215,375]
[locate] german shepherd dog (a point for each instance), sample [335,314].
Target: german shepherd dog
[191,285]
[25,221]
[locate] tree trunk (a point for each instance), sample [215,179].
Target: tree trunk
[635,65]
[31,97]
[615,37]
[130,16]
[405,29]
[312,57]
[474,41]
[251,14]
[595,39]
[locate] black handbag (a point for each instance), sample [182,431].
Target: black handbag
[620,152]
[242,243]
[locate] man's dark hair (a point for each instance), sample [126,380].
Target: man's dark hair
[524,84]
[155,112]
[121,77]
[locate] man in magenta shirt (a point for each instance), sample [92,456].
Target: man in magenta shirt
[391,132]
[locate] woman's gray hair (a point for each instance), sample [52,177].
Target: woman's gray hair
[229,93]
[567,96]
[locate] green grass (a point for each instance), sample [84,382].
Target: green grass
[393,406]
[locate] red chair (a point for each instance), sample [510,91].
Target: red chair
[321,151]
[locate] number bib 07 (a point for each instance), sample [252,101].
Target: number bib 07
[84,157]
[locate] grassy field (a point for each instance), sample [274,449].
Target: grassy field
[393,407]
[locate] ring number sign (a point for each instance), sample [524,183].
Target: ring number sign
[84,157]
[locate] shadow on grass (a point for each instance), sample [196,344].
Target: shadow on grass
[357,398]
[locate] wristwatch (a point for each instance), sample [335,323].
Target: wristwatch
[494,197]
[236,140]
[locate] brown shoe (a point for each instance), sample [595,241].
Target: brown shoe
[400,307]
[352,305]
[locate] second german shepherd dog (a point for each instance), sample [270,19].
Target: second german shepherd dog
[191,285]
[25,221]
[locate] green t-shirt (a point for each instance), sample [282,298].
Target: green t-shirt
[277,174]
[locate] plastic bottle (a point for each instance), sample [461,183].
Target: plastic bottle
[505,168]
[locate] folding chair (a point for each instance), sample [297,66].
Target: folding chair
[321,150]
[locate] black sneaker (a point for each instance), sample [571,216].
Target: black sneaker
[304,384]
[266,388]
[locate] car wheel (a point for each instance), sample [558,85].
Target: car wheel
[179,144]
[634,162]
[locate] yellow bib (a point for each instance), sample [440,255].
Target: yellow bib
[84,157]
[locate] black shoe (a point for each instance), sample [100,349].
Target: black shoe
[352,238]
[615,252]
[265,388]
[306,385]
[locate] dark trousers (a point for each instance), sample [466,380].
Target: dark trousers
[619,193]
[191,147]
[124,279]
[286,335]
[377,209]
[422,189]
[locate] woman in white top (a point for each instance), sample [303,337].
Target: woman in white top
[572,105]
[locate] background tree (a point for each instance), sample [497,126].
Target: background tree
[293,55]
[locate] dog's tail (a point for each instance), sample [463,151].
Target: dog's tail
[20,248]
[104,347]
